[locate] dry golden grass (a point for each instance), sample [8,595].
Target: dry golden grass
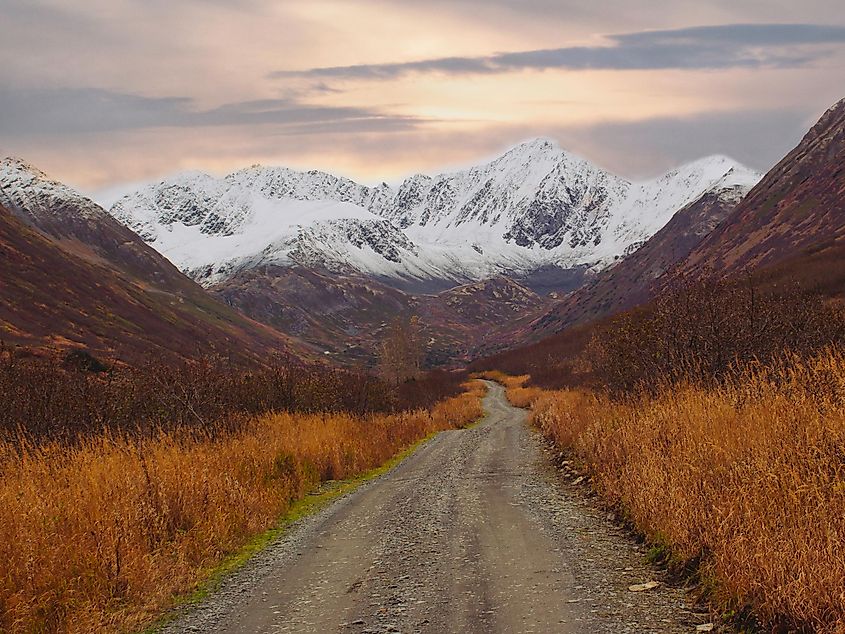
[517,393]
[520,396]
[498,377]
[99,537]
[747,480]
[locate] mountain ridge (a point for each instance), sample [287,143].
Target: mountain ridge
[797,205]
[535,206]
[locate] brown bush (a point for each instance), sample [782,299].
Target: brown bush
[61,399]
[553,363]
[701,331]
[429,388]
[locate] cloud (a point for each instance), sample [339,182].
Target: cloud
[634,149]
[695,48]
[66,111]
[757,137]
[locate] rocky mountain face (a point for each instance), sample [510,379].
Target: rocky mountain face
[535,210]
[72,276]
[638,277]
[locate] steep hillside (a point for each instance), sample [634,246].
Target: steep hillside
[347,316]
[799,205]
[71,276]
[344,316]
[79,225]
[469,318]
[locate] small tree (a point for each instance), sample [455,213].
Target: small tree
[401,352]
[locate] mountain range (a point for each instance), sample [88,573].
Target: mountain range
[533,210]
[516,249]
[333,262]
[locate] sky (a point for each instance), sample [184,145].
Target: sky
[101,93]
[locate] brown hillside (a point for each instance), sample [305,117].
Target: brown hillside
[799,205]
[73,277]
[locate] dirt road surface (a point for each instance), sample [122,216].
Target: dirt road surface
[475,532]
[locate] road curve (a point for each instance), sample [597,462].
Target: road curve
[475,532]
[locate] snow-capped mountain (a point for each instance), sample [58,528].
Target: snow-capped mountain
[534,207]
[212,228]
[29,193]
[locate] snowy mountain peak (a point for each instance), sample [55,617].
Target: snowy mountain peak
[26,190]
[533,207]
[501,192]
[533,148]
[710,166]
[11,164]
[538,157]
[535,157]
[711,173]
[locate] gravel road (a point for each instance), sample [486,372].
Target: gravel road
[475,532]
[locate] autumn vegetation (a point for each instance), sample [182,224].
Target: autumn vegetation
[74,395]
[704,331]
[744,484]
[713,422]
[122,489]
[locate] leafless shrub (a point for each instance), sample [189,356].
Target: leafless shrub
[702,331]
[53,399]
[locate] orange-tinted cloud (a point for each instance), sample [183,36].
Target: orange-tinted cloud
[120,90]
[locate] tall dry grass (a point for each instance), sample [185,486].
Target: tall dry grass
[517,393]
[745,481]
[99,535]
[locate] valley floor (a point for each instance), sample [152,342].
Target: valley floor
[475,532]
